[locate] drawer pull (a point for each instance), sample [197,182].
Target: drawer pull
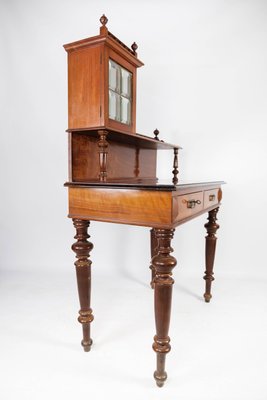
[191,203]
[211,197]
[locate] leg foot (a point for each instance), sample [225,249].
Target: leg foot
[86,345]
[163,264]
[160,374]
[207,297]
[82,248]
[211,227]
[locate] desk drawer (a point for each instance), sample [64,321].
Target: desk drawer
[189,204]
[211,197]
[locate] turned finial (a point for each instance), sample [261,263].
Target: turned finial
[103,20]
[156,133]
[134,47]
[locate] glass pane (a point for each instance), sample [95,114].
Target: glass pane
[125,111]
[120,93]
[114,105]
[114,76]
[126,83]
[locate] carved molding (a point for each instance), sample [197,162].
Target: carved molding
[86,317]
[161,345]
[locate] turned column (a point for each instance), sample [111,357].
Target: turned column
[211,239]
[163,264]
[153,251]
[175,171]
[82,248]
[103,152]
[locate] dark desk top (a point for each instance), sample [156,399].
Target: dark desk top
[160,185]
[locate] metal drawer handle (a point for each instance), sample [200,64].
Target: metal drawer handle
[211,197]
[191,203]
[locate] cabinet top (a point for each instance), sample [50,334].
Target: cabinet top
[105,37]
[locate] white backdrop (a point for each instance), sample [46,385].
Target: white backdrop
[203,86]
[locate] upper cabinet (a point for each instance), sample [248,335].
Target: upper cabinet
[102,83]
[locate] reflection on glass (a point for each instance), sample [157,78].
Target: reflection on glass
[120,93]
[114,76]
[126,83]
[114,105]
[125,111]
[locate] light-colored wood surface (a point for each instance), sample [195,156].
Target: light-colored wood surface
[152,208]
[182,205]
[135,207]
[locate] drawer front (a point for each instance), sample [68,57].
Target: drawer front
[189,204]
[211,197]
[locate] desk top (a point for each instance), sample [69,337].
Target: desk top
[158,205]
[159,186]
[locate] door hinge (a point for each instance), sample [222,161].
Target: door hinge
[101,58]
[100,111]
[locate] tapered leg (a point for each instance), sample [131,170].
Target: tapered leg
[82,248]
[153,250]
[163,264]
[211,227]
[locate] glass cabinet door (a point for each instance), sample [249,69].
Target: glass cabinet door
[120,93]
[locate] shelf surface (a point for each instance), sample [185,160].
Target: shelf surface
[136,139]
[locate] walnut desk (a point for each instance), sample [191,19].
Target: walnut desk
[160,207]
[113,175]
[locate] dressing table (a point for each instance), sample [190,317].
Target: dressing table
[113,177]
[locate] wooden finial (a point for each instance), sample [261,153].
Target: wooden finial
[156,133]
[103,20]
[134,47]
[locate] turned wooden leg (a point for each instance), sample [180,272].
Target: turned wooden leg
[82,248]
[163,264]
[154,251]
[211,227]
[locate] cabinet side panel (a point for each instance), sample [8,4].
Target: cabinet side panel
[84,88]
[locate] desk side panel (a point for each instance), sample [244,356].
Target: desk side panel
[134,207]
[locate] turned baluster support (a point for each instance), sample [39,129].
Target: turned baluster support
[175,171]
[82,247]
[163,264]
[211,227]
[103,152]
